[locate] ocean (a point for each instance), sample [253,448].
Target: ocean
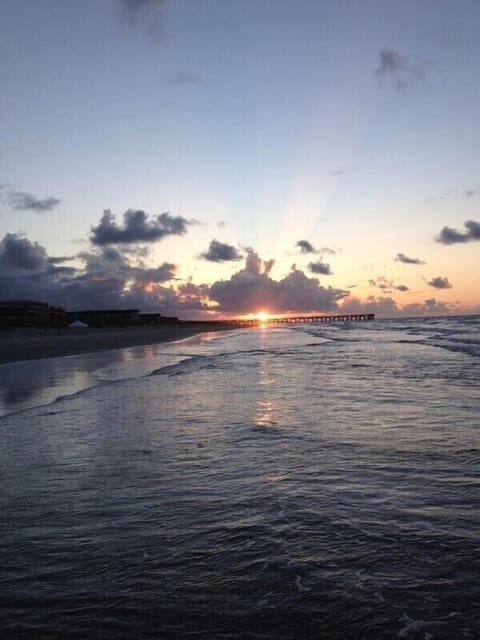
[303,482]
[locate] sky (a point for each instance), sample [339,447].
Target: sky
[215,158]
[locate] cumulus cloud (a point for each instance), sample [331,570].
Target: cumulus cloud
[386,307]
[137,227]
[398,70]
[252,288]
[305,246]
[401,257]
[382,306]
[429,307]
[18,253]
[451,236]
[22,201]
[107,278]
[320,267]
[440,283]
[220,252]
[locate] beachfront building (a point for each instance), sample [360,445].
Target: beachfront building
[30,313]
[105,317]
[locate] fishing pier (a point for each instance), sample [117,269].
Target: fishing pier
[343,317]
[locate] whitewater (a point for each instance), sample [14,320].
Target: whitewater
[315,481]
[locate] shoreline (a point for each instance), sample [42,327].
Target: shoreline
[32,344]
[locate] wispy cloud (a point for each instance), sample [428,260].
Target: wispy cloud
[451,236]
[182,78]
[401,257]
[144,14]
[220,252]
[386,285]
[398,70]
[22,201]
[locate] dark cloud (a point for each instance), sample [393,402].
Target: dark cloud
[107,278]
[401,257]
[398,70]
[163,273]
[305,246]
[451,236]
[18,253]
[440,283]
[252,289]
[60,259]
[320,267]
[181,78]
[220,252]
[136,228]
[22,201]
[473,229]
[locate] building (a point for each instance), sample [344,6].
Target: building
[30,313]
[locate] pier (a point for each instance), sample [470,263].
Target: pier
[343,317]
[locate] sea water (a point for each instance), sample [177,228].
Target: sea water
[315,481]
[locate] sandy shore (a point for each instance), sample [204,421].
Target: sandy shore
[29,344]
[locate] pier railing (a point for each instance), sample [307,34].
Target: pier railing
[343,317]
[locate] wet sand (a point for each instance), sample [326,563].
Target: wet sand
[29,344]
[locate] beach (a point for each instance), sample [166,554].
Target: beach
[30,344]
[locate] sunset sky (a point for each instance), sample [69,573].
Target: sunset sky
[212,157]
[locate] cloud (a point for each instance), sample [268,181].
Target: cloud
[401,257]
[386,307]
[252,288]
[428,307]
[470,193]
[136,228]
[398,70]
[143,14]
[182,78]
[327,251]
[305,246]
[386,285]
[451,236]
[220,252]
[473,229]
[18,253]
[440,283]
[22,201]
[320,268]
[107,277]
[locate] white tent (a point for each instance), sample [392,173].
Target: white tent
[77,324]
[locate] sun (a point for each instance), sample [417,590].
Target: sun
[263,316]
